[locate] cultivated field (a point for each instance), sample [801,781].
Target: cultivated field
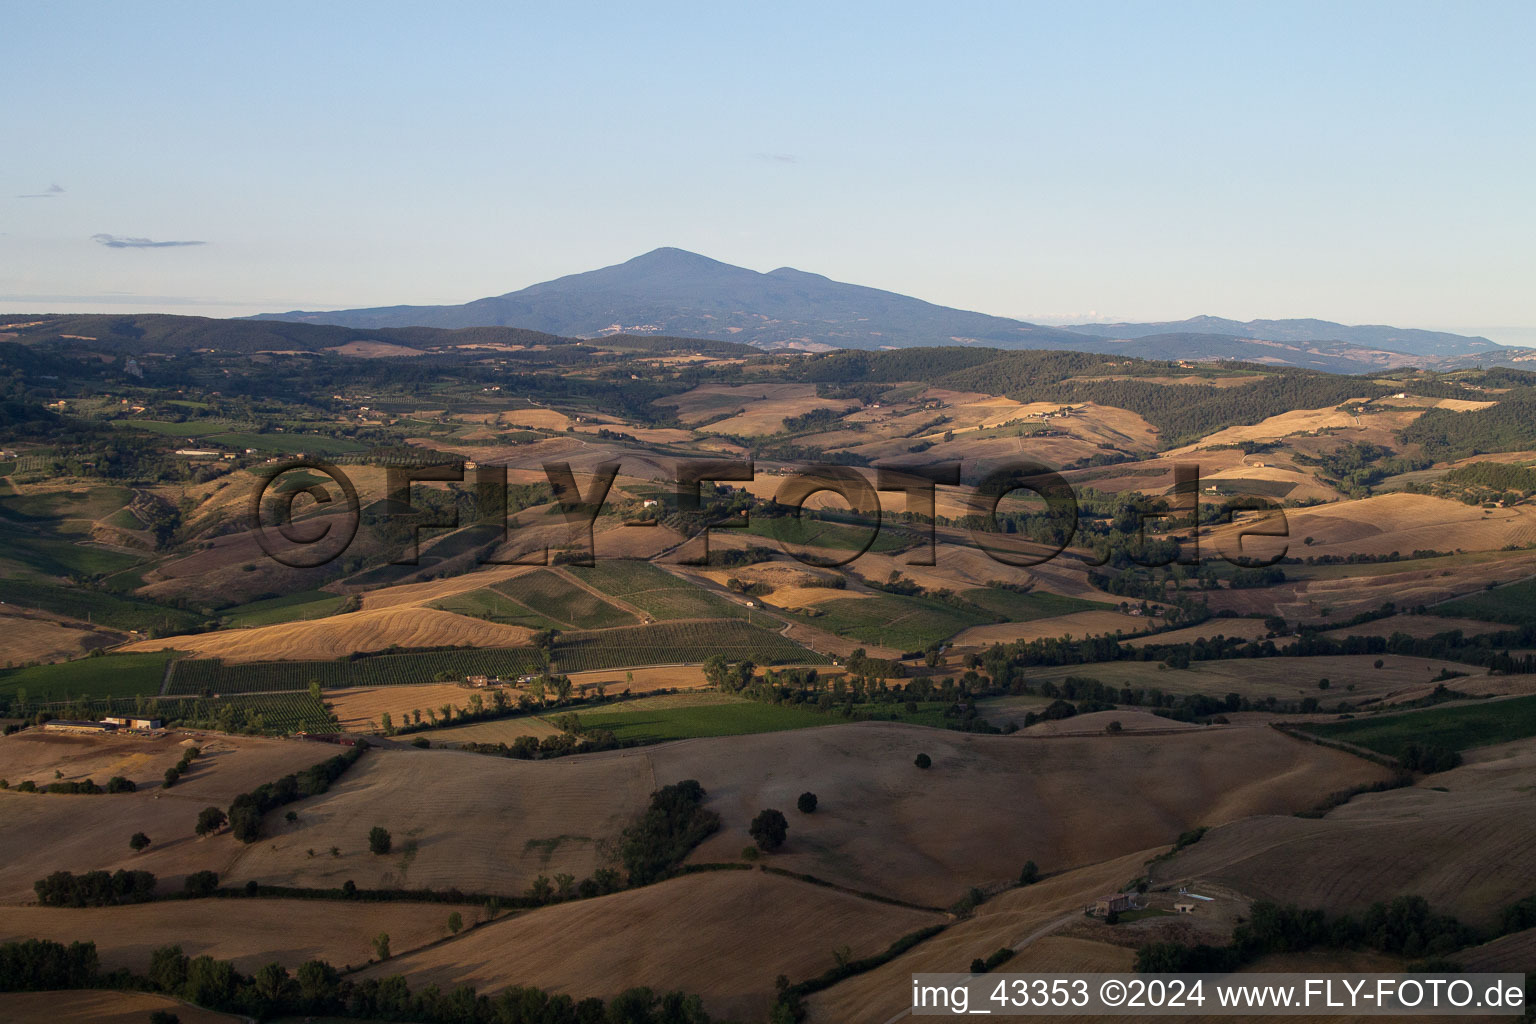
[92,1006]
[252,933]
[1351,677]
[341,635]
[33,637]
[89,832]
[704,933]
[360,709]
[1075,624]
[478,823]
[1470,830]
[886,826]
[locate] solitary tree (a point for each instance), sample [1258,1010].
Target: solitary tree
[381,945]
[1031,873]
[202,883]
[923,761]
[455,922]
[806,803]
[209,820]
[379,840]
[769,829]
[138,842]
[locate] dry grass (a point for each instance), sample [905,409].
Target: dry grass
[502,730]
[886,826]
[1395,522]
[1074,624]
[361,708]
[92,1006]
[1515,952]
[252,933]
[1418,626]
[50,832]
[1282,678]
[1469,850]
[35,637]
[422,594]
[725,935]
[483,824]
[375,350]
[340,635]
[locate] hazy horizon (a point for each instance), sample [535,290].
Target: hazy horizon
[1153,164]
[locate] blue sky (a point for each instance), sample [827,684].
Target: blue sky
[1357,162]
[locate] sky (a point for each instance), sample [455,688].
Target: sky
[1359,162]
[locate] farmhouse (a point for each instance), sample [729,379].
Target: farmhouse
[65,725]
[135,723]
[1115,903]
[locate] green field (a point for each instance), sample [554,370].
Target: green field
[169,428]
[1038,604]
[57,557]
[497,607]
[110,675]
[1514,604]
[194,676]
[738,718]
[654,590]
[308,604]
[309,444]
[807,531]
[891,620]
[1459,728]
[671,643]
[94,606]
[570,605]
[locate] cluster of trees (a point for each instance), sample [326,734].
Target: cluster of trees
[1506,427]
[94,888]
[318,989]
[1419,757]
[174,773]
[246,811]
[673,824]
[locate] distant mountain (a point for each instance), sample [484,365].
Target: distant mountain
[1391,339]
[670,291]
[679,293]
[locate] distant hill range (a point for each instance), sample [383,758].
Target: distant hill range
[673,292]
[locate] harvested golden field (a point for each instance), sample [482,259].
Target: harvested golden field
[502,730]
[360,707]
[1248,629]
[37,755]
[99,1006]
[1281,678]
[1298,421]
[725,935]
[1015,919]
[483,824]
[1516,952]
[1074,624]
[640,680]
[33,636]
[1468,850]
[375,350]
[340,635]
[287,931]
[1400,522]
[50,832]
[886,826]
[760,408]
[1315,600]
[1094,724]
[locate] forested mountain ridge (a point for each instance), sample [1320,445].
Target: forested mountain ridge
[672,291]
[1393,339]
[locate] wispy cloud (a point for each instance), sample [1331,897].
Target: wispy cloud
[53,192]
[119,242]
[779,158]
